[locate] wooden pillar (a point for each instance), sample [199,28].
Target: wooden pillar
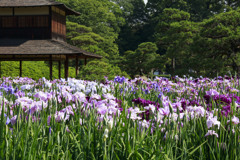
[59,69]
[85,61]
[50,67]
[66,67]
[76,66]
[20,68]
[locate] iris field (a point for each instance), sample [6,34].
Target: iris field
[177,118]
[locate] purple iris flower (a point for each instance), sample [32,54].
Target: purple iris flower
[225,99]
[119,79]
[121,90]
[220,78]
[14,119]
[133,90]
[11,90]
[145,103]
[8,121]
[49,120]
[212,92]
[119,102]
[146,91]
[154,86]
[160,95]
[196,80]
[19,94]
[226,110]
[184,105]
[88,98]
[228,78]
[68,130]
[207,98]
[16,89]
[193,103]
[165,89]
[7,89]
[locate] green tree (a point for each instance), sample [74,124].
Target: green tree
[188,45]
[220,43]
[174,36]
[154,10]
[97,70]
[203,9]
[156,7]
[105,19]
[84,38]
[198,9]
[232,4]
[126,7]
[103,16]
[132,32]
[143,60]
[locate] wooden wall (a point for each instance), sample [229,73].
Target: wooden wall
[23,11]
[58,23]
[33,23]
[31,11]
[6,11]
[30,27]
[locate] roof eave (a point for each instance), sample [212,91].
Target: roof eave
[91,55]
[69,11]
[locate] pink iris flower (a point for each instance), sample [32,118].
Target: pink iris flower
[212,121]
[211,133]
[235,120]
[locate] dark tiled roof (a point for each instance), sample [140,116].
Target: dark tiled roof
[41,47]
[35,3]
[15,3]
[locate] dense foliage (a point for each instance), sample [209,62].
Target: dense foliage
[182,118]
[200,37]
[99,70]
[35,70]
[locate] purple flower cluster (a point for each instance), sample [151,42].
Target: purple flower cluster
[176,100]
[7,89]
[219,99]
[145,103]
[119,79]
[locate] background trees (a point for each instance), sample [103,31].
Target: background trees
[220,36]
[173,35]
[178,37]
[143,60]
[98,70]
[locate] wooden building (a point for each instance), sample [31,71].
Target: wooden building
[35,30]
